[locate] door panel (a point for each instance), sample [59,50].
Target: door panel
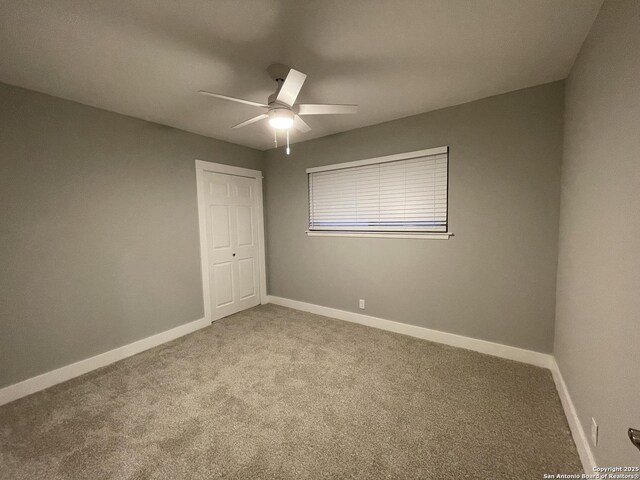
[245,226]
[221,233]
[244,192]
[223,284]
[232,249]
[219,189]
[247,275]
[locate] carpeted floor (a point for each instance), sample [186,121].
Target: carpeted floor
[280,394]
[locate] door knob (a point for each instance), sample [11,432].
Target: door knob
[234,254]
[634,436]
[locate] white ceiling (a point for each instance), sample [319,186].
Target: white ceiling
[148,58]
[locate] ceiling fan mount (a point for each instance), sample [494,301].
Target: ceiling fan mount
[281,109]
[278,71]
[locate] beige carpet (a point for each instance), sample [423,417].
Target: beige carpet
[280,394]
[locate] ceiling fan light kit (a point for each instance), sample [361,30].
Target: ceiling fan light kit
[281,118]
[282,111]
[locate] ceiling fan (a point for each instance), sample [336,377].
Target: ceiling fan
[281,109]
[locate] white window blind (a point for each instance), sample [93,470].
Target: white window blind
[399,193]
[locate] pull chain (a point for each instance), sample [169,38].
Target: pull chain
[275,137]
[288,149]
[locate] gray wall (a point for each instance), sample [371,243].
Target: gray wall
[597,343]
[495,279]
[99,240]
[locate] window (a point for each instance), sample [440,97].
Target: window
[402,194]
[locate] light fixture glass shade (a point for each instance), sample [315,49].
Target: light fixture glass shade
[281,118]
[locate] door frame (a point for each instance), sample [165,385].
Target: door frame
[201,167]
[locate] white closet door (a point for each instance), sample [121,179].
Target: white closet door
[232,242]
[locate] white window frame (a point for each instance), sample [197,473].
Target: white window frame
[371,161]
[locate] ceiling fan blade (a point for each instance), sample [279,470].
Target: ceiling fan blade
[233,99]
[251,120]
[300,124]
[291,87]
[323,109]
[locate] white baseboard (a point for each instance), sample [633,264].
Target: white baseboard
[577,432]
[46,380]
[538,359]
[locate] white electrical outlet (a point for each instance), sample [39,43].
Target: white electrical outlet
[361,304]
[594,432]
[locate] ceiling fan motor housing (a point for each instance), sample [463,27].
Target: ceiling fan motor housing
[272,102]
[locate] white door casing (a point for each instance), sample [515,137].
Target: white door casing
[231,238]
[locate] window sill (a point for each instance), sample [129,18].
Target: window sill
[430,236]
